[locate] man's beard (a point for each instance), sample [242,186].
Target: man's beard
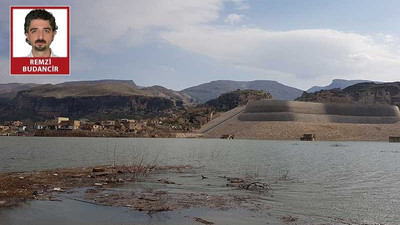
[40,48]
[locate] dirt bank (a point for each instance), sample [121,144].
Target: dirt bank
[105,186]
[19,187]
[284,130]
[96,185]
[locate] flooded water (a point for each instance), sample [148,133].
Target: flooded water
[320,182]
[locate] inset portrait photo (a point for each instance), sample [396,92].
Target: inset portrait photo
[39,40]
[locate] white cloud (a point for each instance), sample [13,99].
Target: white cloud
[298,56]
[99,26]
[303,53]
[234,18]
[168,69]
[241,4]
[5,68]
[81,63]
[104,26]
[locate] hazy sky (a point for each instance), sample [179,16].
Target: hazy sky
[182,43]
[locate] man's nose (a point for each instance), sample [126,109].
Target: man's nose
[40,34]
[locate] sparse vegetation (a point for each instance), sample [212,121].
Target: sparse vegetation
[230,100]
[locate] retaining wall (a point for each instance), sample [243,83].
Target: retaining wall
[275,110]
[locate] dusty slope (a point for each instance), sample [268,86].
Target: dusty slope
[287,130]
[221,119]
[293,131]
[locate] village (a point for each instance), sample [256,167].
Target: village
[172,124]
[64,126]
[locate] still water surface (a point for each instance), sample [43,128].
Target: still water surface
[353,181]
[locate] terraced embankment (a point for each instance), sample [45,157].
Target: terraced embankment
[282,120]
[224,117]
[274,110]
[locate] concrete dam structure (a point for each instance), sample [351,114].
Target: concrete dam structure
[276,110]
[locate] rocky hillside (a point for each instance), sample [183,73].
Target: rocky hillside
[338,83]
[236,98]
[364,93]
[10,90]
[84,90]
[91,107]
[168,93]
[92,88]
[87,99]
[205,92]
[107,81]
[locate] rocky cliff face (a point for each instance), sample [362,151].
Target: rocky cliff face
[363,93]
[179,97]
[104,99]
[233,99]
[339,83]
[95,107]
[208,91]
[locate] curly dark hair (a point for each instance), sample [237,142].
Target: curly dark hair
[40,14]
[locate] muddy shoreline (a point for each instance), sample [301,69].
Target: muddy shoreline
[260,179]
[18,187]
[100,186]
[95,185]
[103,186]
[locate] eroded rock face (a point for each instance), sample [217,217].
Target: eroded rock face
[86,99]
[36,107]
[236,98]
[363,93]
[208,91]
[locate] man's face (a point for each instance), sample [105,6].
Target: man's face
[40,34]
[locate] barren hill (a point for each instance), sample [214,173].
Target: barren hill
[212,90]
[10,90]
[168,93]
[230,100]
[362,93]
[84,90]
[338,83]
[87,99]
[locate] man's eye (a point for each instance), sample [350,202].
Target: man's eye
[47,31]
[33,31]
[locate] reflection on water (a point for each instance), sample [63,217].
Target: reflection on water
[357,181]
[72,212]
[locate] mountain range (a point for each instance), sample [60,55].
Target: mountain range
[106,99]
[102,99]
[208,91]
[361,93]
[200,93]
[10,90]
[90,88]
[338,83]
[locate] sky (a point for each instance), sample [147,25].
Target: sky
[183,43]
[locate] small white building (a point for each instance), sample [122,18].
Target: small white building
[21,128]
